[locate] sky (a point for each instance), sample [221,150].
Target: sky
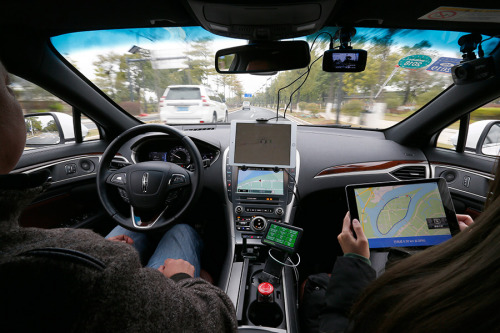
[83,47]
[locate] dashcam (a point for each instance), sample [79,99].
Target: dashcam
[473,71]
[346,60]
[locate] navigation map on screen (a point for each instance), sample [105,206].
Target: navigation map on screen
[260,182]
[407,215]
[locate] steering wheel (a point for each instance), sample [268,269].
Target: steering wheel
[150,188]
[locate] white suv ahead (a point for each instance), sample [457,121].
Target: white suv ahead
[190,104]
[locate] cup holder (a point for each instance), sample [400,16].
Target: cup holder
[265,314]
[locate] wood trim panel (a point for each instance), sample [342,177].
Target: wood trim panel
[364,166]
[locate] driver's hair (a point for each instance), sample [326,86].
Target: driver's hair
[451,287]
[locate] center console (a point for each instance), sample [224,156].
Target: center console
[261,170]
[256,197]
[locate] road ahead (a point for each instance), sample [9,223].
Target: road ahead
[256,112]
[253,114]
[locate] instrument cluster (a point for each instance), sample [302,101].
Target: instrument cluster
[168,150]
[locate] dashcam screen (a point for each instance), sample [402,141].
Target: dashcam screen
[345,60]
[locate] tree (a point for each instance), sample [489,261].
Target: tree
[51,126]
[106,70]
[200,59]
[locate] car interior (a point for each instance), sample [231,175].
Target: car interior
[302,161]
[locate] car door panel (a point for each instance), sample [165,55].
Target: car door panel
[468,177]
[71,200]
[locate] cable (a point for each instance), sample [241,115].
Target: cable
[323,32]
[279,90]
[296,271]
[291,95]
[296,186]
[307,72]
[282,263]
[480,51]
[491,37]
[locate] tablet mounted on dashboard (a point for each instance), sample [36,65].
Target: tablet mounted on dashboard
[415,213]
[263,144]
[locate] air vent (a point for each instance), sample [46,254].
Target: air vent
[199,128]
[409,172]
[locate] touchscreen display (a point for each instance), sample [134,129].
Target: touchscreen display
[282,235]
[260,182]
[401,216]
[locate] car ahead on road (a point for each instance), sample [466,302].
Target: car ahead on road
[190,104]
[386,123]
[246,105]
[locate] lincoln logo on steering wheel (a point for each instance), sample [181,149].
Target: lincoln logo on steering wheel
[145,178]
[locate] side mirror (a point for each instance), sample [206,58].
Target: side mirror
[490,139]
[50,128]
[263,57]
[43,129]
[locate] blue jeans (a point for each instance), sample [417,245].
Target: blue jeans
[179,242]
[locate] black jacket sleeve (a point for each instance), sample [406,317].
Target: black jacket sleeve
[349,277]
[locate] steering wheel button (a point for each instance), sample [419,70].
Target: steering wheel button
[119,179]
[178,179]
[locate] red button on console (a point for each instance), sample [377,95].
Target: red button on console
[265,289]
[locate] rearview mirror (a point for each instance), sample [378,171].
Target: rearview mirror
[263,58]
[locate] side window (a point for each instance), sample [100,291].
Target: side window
[483,135]
[49,120]
[449,136]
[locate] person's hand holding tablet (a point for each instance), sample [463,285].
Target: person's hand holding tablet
[464,221]
[353,242]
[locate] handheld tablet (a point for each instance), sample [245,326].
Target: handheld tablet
[404,213]
[282,236]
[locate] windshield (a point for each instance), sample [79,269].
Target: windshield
[167,75]
[174,93]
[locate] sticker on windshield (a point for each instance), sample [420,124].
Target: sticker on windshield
[415,61]
[463,15]
[443,65]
